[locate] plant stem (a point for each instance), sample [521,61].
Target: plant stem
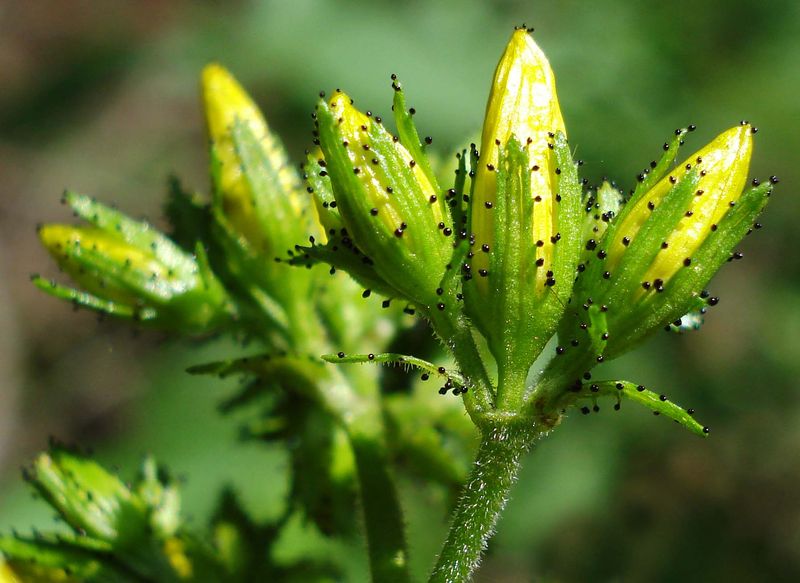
[383,517]
[454,330]
[483,499]
[388,557]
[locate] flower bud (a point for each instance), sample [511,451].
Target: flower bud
[129,269]
[88,497]
[256,187]
[659,253]
[387,203]
[523,104]
[525,216]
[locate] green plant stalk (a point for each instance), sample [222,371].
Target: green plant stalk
[456,333]
[484,496]
[383,519]
[383,516]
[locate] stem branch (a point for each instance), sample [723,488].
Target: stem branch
[383,519]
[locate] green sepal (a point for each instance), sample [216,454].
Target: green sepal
[568,218]
[519,317]
[659,404]
[458,198]
[652,176]
[276,207]
[322,193]
[507,318]
[601,208]
[626,279]
[409,137]
[86,300]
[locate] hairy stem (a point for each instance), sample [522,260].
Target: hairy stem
[483,499]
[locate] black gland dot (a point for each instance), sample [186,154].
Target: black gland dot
[560,350]
[687,262]
[440,306]
[373,212]
[340,355]
[485,247]
[487,204]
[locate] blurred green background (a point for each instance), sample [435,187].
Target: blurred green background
[102,98]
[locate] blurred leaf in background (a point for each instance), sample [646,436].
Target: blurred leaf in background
[104,100]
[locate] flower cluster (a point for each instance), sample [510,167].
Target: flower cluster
[518,246]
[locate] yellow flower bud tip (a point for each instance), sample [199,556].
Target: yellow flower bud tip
[355,129]
[226,104]
[226,101]
[723,165]
[523,104]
